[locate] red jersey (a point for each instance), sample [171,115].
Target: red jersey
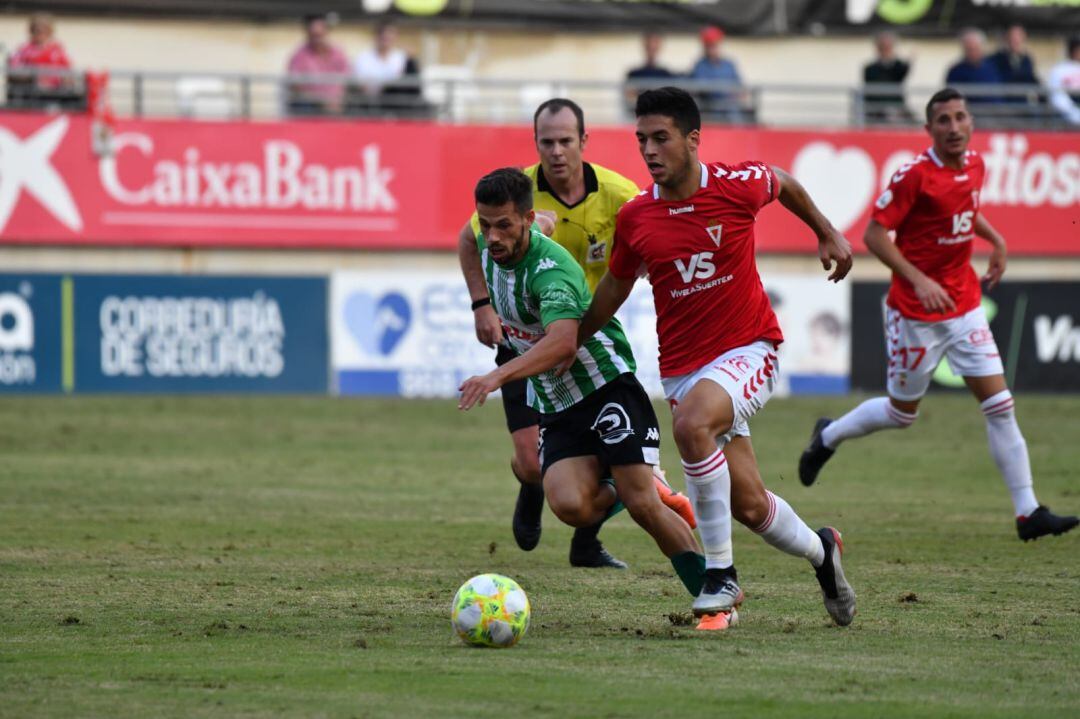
[699,253]
[51,54]
[932,208]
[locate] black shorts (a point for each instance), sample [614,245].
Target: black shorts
[616,424]
[519,414]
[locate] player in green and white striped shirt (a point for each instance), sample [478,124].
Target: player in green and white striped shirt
[595,418]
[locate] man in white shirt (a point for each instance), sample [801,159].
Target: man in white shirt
[1064,83]
[383,64]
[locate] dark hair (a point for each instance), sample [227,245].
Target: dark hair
[1073,43]
[507,184]
[672,102]
[558,103]
[943,95]
[312,17]
[385,24]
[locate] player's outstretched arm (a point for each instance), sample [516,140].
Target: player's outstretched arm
[488,327]
[932,295]
[832,245]
[557,347]
[996,268]
[610,294]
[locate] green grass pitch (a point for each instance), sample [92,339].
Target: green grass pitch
[209,557]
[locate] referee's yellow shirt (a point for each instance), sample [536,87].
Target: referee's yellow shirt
[585,229]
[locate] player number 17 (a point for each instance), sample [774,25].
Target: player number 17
[910,357]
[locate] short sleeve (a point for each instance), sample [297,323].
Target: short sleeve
[559,296]
[296,63]
[894,204]
[979,168]
[60,57]
[623,190]
[624,261]
[753,184]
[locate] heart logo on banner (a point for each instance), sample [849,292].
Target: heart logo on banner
[378,325]
[841,181]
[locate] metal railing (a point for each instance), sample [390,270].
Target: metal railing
[470,100]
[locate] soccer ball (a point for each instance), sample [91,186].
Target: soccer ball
[490,610]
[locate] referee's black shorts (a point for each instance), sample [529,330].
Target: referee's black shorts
[519,415]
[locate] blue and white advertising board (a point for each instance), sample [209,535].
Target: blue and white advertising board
[410,333]
[31,328]
[163,333]
[200,334]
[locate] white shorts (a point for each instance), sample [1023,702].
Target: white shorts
[748,374]
[914,350]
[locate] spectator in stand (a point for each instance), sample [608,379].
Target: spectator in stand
[387,73]
[1064,83]
[718,105]
[974,69]
[652,69]
[884,100]
[1014,65]
[1013,62]
[317,56]
[31,87]
[639,78]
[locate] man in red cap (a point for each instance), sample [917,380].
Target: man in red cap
[725,103]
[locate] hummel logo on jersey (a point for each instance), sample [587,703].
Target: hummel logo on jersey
[653,435]
[545,264]
[700,267]
[27,165]
[714,233]
[680,210]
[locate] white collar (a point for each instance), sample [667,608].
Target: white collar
[704,181]
[937,160]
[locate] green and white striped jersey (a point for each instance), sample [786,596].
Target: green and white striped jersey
[548,285]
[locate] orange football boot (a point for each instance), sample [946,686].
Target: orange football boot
[719,622]
[679,503]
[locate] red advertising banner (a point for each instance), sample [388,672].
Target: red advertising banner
[408,185]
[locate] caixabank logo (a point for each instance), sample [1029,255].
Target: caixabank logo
[31,329]
[26,167]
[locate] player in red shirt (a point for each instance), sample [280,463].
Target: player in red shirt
[42,51]
[693,232]
[933,308]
